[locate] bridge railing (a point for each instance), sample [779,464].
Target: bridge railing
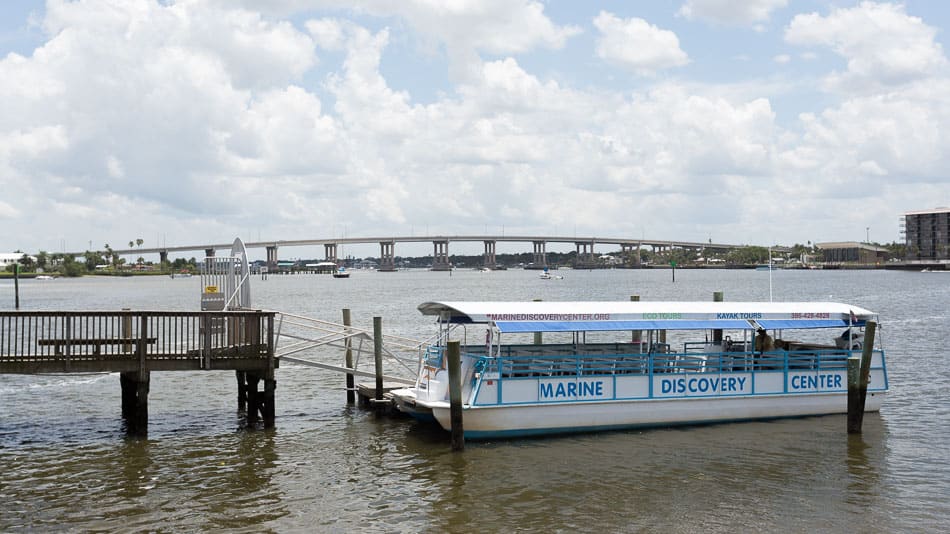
[132,336]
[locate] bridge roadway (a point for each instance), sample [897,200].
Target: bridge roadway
[584,247]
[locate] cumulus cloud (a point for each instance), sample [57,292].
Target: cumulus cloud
[463,29]
[883,45]
[144,112]
[729,11]
[638,45]
[328,33]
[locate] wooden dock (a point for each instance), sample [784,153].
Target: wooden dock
[367,397]
[135,343]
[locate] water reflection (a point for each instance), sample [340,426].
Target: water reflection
[720,477]
[331,467]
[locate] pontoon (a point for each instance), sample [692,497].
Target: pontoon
[535,368]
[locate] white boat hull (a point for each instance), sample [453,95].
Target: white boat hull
[538,419]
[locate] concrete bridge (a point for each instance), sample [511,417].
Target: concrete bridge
[440,245]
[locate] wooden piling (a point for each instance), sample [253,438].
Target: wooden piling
[253,399]
[135,402]
[378,357]
[636,335]
[140,416]
[268,402]
[241,377]
[350,383]
[16,285]
[717,334]
[854,396]
[455,395]
[537,335]
[127,384]
[858,385]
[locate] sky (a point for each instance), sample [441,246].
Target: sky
[184,122]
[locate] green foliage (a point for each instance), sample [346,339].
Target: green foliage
[92,259]
[27,263]
[748,256]
[71,267]
[896,250]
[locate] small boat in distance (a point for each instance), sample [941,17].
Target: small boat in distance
[546,275]
[341,272]
[182,274]
[614,365]
[44,277]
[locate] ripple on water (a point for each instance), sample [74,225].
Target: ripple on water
[329,467]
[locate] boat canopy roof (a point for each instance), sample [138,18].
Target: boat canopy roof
[623,315]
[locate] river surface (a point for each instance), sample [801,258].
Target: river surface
[328,467]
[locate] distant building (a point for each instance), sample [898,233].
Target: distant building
[9,258]
[927,234]
[851,252]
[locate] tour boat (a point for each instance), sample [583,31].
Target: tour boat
[537,368]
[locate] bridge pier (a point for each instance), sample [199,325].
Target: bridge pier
[628,252]
[490,261]
[329,250]
[585,259]
[440,256]
[387,259]
[540,255]
[272,258]
[162,257]
[209,252]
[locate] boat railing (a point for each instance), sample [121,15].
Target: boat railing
[586,364]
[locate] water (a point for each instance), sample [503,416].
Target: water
[328,467]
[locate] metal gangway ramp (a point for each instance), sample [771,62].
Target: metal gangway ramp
[225,286]
[298,335]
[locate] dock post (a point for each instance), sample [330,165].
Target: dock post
[135,402]
[854,396]
[127,383]
[253,399]
[635,335]
[241,377]
[858,385]
[137,391]
[267,404]
[378,357]
[537,335]
[350,385]
[455,395]
[127,330]
[270,379]
[16,285]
